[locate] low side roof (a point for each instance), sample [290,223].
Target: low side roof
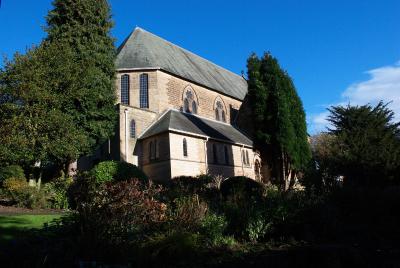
[146,50]
[178,121]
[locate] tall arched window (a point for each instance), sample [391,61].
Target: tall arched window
[226,155]
[133,129]
[125,89]
[144,91]
[247,158]
[220,112]
[194,107]
[215,154]
[185,152]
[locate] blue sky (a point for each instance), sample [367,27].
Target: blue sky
[337,52]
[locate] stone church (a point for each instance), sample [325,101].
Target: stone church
[178,112]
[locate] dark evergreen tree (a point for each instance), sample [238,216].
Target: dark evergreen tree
[84,28]
[366,144]
[279,119]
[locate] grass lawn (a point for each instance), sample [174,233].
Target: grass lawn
[13,227]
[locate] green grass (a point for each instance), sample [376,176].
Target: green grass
[14,227]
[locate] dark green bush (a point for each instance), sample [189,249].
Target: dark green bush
[13,171]
[213,227]
[56,192]
[116,171]
[241,189]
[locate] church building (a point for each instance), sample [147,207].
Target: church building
[178,112]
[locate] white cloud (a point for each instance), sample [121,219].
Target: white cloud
[383,84]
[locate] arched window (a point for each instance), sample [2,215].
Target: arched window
[215,154]
[226,155]
[185,152]
[189,102]
[125,89]
[151,150]
[220,112]
[144,91]
[194,107]
[186,106]
[247,158]
[133,129]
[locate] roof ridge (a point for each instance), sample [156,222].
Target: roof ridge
[137,28]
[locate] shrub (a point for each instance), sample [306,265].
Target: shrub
[187,213]
[116,171]
[242,188]
[118,213]
[19,191]
[13,171]
[56,192]
[212,227]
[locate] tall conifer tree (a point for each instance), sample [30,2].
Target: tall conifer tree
[83,26]
[279,119]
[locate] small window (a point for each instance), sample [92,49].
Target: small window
[133,129]
[125,89]
[194,107]
[157,149]
[215,154]
[220,112]
[155,152]
[144,91]
[151,151]
[247,158]
[243,157]
[226,155]
[186,106]
[185,152]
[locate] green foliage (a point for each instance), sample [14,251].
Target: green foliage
[117,213]
[187,212]
[84,28]
[57,192]
[365,145]
[108,171]
[57,101]
[213,228]
[23,195]
[279,118]
[242,188]
[13,171]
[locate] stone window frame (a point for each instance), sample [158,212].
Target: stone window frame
[215,153]
[125,89]
[144,91]
[132,129]
[226,155]
[220,109]
[185,147]
[190,101]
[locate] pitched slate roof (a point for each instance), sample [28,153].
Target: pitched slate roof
[177,121]
[145,50]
